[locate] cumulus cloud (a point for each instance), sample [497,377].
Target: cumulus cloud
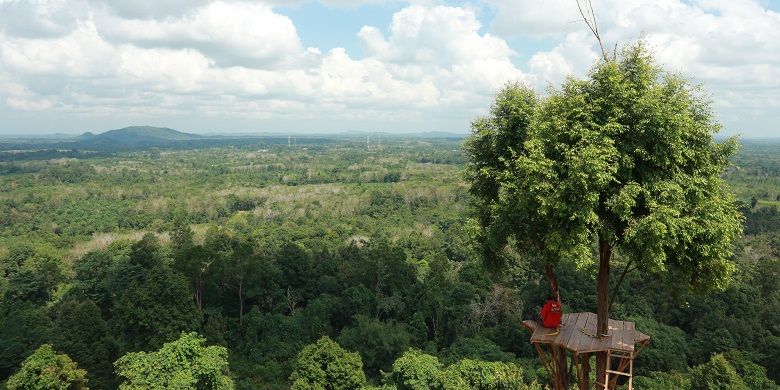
[245,34]
[731,46]
[241,58]
[433,64]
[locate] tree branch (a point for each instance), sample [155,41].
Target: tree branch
[626,270]
[592,25]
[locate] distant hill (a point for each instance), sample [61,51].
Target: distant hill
[141,133]
[134,137]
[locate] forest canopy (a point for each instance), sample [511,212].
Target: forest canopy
[263,249]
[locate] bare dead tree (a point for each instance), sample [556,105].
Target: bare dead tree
[589,17]
[291,299]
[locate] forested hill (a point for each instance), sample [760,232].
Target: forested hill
[140,133]
[133,137]
[127,139]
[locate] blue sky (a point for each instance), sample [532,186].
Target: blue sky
[298,66]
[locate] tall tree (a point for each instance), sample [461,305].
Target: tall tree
[624,161]
[81,333]
[325,365]
[155,310]
[193,262]
[249,276]
[33,273]
[45,369]
[181,364]
[92,275]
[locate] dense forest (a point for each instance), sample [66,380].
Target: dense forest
[277,266]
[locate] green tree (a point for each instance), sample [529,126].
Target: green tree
[627,157]
[667,351]
[415,370]
[146,252]
[480,375]
[717,374]
[33,274]
[324,365]
[664,381]
[80,332]
[45,369]
[153,310]
[181,364]
[193,262]
[23,327]
[378,342]
[93,271]
[247,275]
[751,373]
[181,236]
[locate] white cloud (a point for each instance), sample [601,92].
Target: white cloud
[731,46]
[245,59]
[41,18]
[245,34]
[232,58]
[572,56]
[79,53]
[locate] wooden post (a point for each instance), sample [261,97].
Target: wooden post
[563,368]
[585,384]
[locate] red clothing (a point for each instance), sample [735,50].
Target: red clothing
[551,314]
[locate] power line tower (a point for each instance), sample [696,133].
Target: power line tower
[368,141]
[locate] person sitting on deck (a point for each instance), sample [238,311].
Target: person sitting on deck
[550,315]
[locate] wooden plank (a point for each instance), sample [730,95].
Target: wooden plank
[561,337]
[623,337]
[616,332]
[596,343]
[572,330]
[640,338]
[567,328]
[541,334]
[576,335]
[628,338]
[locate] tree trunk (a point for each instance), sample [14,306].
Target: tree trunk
[549,271]
[199,293]
[562,371]
[240,302]
[602,311]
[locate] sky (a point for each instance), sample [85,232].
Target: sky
[329,66]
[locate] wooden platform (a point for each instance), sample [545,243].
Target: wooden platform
[622,334]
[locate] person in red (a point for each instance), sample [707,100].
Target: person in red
[550,315]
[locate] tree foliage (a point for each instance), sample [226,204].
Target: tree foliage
[181,364]
[45,369]
[626,155]
[320,243]
[416,370]
[324,365]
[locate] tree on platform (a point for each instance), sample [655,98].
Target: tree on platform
[623,161]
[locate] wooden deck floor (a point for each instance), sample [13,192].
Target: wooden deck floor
[622,334]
